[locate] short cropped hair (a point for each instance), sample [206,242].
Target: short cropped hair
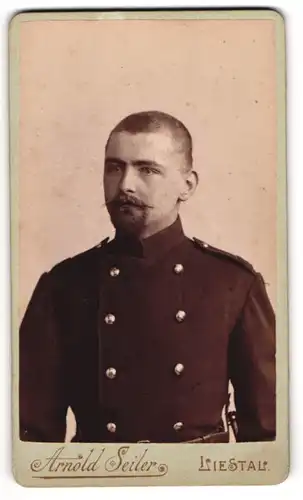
[153,121]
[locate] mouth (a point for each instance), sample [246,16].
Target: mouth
[129,207]
[129,214]
[127,204]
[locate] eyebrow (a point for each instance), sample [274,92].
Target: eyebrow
[137,163]
[148,163]
[111,159]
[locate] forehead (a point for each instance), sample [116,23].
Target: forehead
[155,146]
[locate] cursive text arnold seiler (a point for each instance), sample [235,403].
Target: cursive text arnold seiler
[124,461]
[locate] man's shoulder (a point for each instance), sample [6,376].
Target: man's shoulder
[79,263]
[217,256]
[88,260]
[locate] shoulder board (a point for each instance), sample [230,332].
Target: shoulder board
[103,242]
[221,253]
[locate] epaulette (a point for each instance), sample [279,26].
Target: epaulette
[103,242]
[221,253]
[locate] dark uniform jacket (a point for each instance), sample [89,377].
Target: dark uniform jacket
[140,339]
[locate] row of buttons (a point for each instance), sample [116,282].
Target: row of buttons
[112,372]
[111,427]
[115,271]
[111,318]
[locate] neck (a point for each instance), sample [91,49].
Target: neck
[152,228]
[157,226]
[150,248]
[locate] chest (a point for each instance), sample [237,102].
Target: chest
[172,308]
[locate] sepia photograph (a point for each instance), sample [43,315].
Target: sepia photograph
[149,249]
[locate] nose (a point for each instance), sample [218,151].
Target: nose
[128,181]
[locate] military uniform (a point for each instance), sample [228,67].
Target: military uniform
[141,338]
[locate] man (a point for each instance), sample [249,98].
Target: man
[141,335]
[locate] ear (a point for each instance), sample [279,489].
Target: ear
[191,182]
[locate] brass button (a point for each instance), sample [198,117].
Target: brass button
[111,427]
[111,373]
[109,319]
[114,271]
[178,426]
[180,316]
[205,245]
[178,268]
[179,368]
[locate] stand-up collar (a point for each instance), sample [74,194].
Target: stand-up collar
[149,248]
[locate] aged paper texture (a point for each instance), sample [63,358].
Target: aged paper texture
[73,78]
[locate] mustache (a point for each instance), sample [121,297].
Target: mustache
[128,199]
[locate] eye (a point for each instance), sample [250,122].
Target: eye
[148,170]
[112,167]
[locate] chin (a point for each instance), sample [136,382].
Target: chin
[127,223]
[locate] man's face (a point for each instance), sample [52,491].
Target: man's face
[144,176]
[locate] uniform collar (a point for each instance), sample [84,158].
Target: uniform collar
[149,248]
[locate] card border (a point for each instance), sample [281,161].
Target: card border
[281,445]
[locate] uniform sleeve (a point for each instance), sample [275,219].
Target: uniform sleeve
[42,393]
[252,367]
